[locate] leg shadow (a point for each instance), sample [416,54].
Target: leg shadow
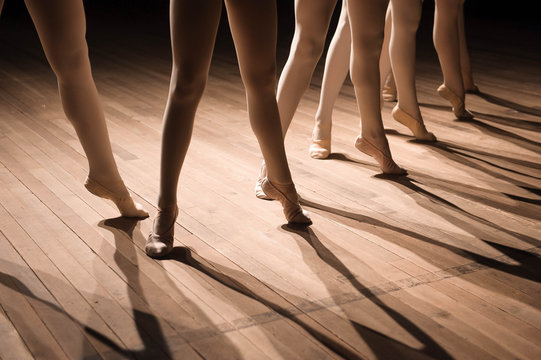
[480,195]
[446,210]
[493,131]
[214,271]
[125,230]
[509,104]
[448,152]
[16,285]
[148,326]
[382,346]
[528,267]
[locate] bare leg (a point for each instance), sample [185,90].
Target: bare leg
[385,59]
[193,33]
[465,65]
[254,26]
[388,86]
[446,41]
[312,18]
[367,20]
[61,28]
[406,17]
[336,69]
[192,42]
[407,14]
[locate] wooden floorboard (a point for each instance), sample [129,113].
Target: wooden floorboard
[443,263]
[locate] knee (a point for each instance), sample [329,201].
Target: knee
[308,47]
[69,64]
[367,45]
[406,25]
[187,84]
[260,79]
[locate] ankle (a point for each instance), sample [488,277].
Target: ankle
[280,184]
[166,204]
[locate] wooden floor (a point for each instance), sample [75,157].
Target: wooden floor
[443,263]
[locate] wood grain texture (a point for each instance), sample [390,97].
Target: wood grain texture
[444,263]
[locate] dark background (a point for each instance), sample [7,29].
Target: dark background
[489,24]
[513,13]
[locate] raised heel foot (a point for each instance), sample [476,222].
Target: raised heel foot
[320,149]
[416,127]
[123,202]
[457,103]
[287,196]
[387,164]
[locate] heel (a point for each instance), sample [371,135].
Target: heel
[124,202]
[417,127]
[320,149]
[159,245]
[287,195]
[387,164]
[457,103]
[259,193]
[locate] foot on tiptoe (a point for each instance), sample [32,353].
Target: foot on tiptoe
[321,142]
[382,156]
[417,127]
[259,193]
[459,107]
[121,197]
[287,196]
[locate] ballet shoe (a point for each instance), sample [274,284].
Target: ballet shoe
[469,85]
[457,103]
[388,94]
[159,245]
[287,196]
[259,193]
[386,163]
[473,89]
[320,149]
[124,202]
[417,127]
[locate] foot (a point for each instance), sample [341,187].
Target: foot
[472,89]
[320,149]
[160,240]
[388,92]
[321,143]
[259,193]
[383,157]
[122,199]
[469,85]
[456,101]
[287,195]
[417,127]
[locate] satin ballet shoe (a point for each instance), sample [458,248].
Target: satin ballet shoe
[159,245]
[320,149]
[388,94]
[124,202]
[287,196]
[473,89]
[469,85]
[457,103]
[417,127]
[387,164]
[259,193]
